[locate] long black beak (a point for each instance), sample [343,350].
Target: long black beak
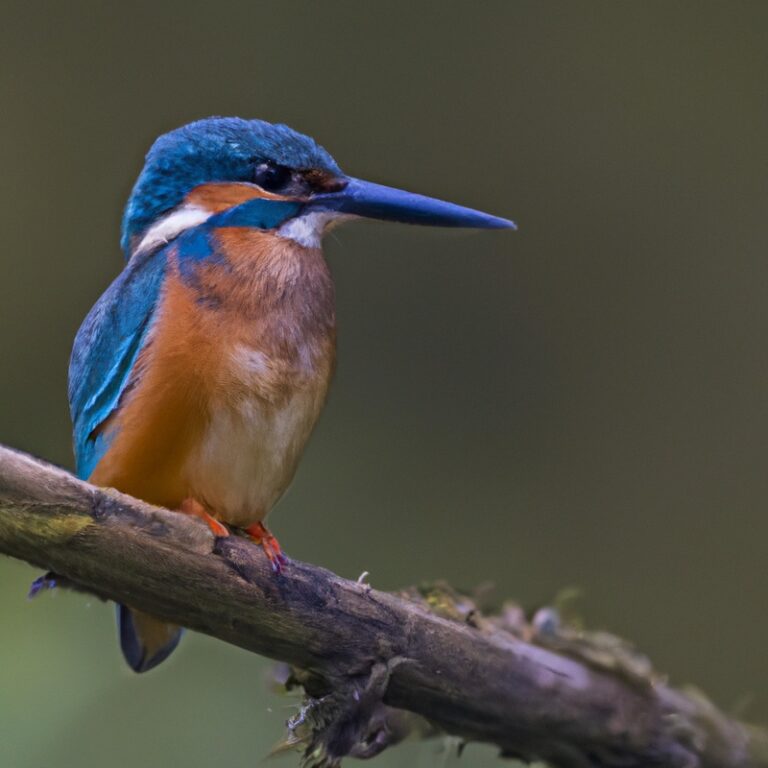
[375,201]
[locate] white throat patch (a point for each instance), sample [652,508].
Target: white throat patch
[308,230]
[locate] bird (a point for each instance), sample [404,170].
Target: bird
[196,379]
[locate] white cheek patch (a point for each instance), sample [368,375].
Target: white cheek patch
[172,225]
[308,230]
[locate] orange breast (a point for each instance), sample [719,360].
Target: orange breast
[250,345]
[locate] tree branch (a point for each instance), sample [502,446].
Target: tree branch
[536,690]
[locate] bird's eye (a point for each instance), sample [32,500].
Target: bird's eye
[272,177]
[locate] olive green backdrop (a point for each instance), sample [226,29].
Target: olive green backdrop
[584,402]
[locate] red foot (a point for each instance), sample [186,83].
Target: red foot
[196,509]
[260,535]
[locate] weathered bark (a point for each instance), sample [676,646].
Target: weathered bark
[536,690]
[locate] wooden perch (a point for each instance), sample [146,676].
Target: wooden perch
[369,660]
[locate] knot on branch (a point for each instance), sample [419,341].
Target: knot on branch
[347,718]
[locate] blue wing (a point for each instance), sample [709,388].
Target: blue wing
[105,351]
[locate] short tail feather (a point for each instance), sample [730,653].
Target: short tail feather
[145,640]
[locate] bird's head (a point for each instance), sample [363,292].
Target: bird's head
[267,176]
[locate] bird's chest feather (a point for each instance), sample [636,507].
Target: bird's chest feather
[237,370]
[268,319]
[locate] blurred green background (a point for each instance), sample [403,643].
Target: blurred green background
[582,403]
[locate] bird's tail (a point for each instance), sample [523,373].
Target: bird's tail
[145,640]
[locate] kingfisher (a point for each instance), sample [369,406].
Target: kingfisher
[197,377]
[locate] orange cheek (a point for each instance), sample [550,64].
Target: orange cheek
[219,196]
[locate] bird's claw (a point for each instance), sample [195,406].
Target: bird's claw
[259,534]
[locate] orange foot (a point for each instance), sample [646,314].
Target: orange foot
[260,535]
[196,509]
